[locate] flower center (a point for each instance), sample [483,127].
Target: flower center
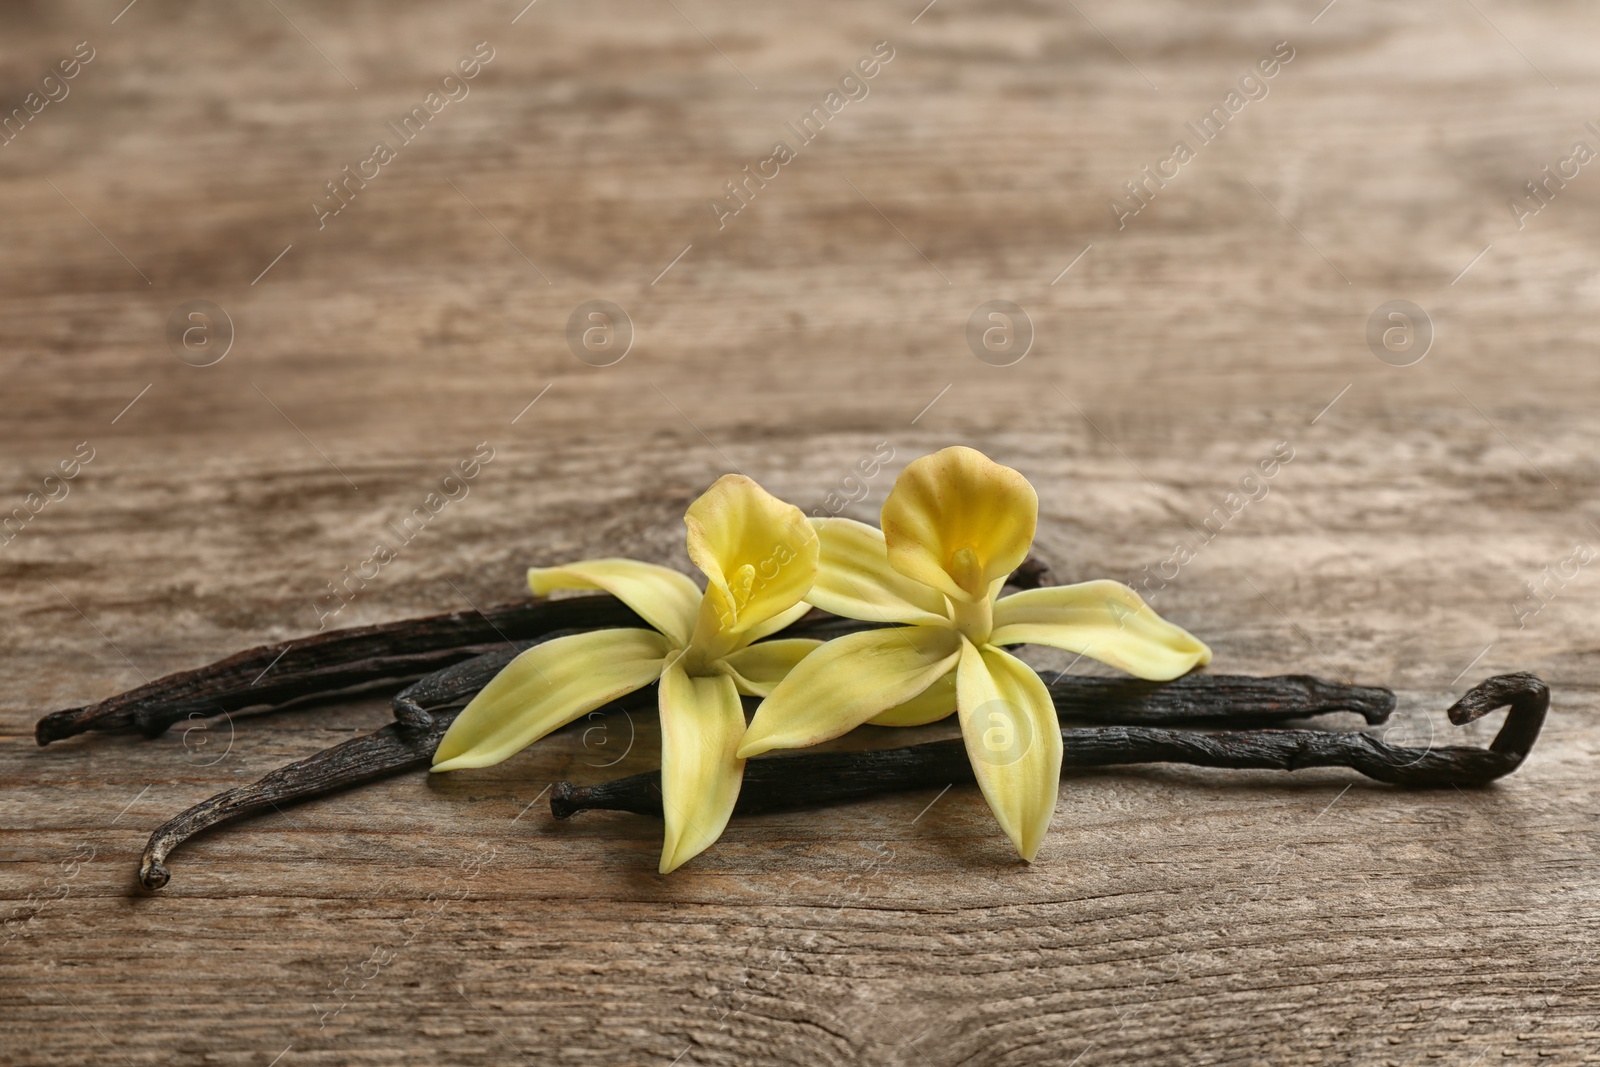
[710,640]
[696,662]
[742,585]
[967,571]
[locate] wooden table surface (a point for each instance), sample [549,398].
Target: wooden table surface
[1175,915]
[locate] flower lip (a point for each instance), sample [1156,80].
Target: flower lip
[759,555]
[956,520]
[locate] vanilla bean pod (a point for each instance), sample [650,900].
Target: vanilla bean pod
[785,782]
[324,663]
[361,759]
[422,719]
[346,661]
[1237,700]
[406,744]
[1234,700]
[341,661]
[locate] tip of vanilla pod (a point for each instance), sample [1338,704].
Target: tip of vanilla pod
[55,726]
[1497,692]
[562,805]
[154,875]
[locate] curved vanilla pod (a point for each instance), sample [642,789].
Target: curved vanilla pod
[321,664]
[425,710]
[784,782]
[392,750]
[406,744]
[361,759]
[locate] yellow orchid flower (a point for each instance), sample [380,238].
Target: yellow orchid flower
[759,556]
[954,526]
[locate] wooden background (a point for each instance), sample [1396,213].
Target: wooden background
[1175,915]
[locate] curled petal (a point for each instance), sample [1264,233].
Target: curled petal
[701,723]
[848,681]
[936,702]
[759,668]
[855,580]
[1013,739]
[547,687]
[957,520]
[665,599]
[1103,620]
[758,553]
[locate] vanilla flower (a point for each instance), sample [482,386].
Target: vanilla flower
[759,557]
[954,526]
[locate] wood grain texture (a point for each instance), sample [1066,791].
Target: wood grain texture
[1175,915]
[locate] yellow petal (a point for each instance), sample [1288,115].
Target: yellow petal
[701,723]
[665,599]
[855,580]
[1013,739]
[846,682]
[547,687]
[936,702]
[957,520]
[1103,620]
[778,622]
[760,667]
[758,553]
